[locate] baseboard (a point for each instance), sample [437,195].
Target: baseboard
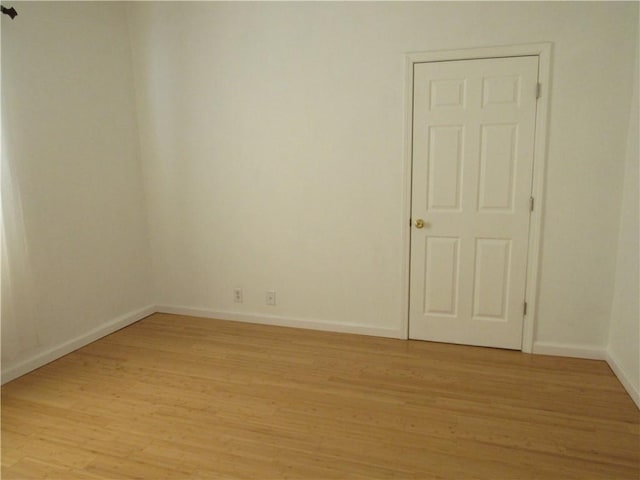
[42,358]
[568,350]
[633,391]
[592,353]
[283,321]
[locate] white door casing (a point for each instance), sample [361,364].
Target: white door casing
[473,149]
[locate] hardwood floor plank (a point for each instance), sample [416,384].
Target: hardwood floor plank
[184,397]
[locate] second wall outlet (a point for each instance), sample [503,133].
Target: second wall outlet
[237,295]
[271,297]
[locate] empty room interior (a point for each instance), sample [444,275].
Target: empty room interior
[320,240]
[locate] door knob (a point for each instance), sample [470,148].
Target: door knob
[419,223]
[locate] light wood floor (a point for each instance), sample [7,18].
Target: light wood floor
[183,397]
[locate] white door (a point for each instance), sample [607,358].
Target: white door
[473,138]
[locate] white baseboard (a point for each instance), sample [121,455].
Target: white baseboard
[51,354]
[631,389]
[42,358]
[592,353]
[284,321]
[567,350]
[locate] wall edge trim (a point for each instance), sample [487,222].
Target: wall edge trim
[590,352]
[281,321]
[40,359]
[619,372]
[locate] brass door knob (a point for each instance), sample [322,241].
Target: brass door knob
[419,223]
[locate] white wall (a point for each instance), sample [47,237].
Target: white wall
[272,144]
[75,243]
[624,334]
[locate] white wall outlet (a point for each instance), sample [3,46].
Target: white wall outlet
[271,297]
[237,295]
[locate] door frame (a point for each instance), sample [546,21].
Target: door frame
[543,52]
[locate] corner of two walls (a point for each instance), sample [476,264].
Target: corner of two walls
[258,174]
[623,349]
[75,259]
[620,346]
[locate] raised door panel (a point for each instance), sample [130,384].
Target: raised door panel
[444,167]
[441,275]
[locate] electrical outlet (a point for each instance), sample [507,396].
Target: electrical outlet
[271,297]
[237,295]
